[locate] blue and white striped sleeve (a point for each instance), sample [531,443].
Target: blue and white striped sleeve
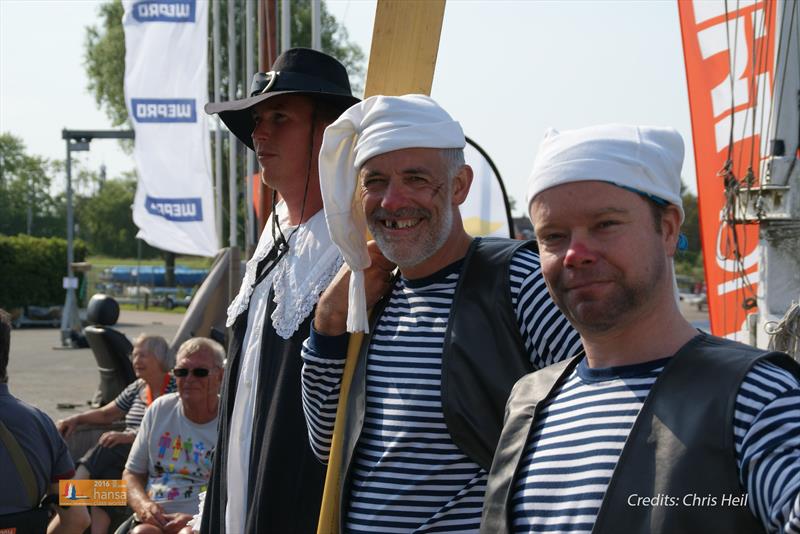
[323,366]
[549,337]
[767,438]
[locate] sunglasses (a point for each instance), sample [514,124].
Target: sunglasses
[199,372]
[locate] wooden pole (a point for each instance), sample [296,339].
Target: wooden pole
[405,43]
[267,53]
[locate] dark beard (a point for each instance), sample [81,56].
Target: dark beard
[603,315]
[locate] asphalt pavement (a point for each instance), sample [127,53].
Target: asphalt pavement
[43,374]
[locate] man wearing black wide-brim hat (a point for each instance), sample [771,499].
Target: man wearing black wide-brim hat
[265,476]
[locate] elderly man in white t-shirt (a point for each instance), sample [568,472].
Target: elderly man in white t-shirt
[170,461]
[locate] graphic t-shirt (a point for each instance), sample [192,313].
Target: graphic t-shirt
[175,453]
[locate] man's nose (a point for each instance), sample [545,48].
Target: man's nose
[395,196]
[580,253]
[260,132]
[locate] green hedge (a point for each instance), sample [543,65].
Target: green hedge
[32,269]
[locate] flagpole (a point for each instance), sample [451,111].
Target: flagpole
[218,122]
[233,192]
[316,25]
[267,53]
[251,162]
[286,25]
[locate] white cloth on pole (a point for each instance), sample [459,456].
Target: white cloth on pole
[166,80]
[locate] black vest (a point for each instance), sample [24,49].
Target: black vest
[680,444]
[484,355]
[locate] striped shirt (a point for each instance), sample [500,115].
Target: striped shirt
[132,402]
[407,474]
[579,434]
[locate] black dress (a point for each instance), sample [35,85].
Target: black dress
[286,479]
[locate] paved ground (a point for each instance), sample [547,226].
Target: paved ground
[43,374]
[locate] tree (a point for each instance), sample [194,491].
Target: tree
[26,205]
[105,62]
[334,38]
[105,220]
[691,225]
[690,261]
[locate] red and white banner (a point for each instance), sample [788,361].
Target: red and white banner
[730,59]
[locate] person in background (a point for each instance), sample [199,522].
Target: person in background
[170,461]
[29,430]
[152,362]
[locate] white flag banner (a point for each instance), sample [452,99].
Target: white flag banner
[484,211]
[166,76]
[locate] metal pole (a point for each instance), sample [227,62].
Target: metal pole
[251,161]
[233,192]
[286,25]
[70,221]
[69,315]
[316,25]
[30,206]
[218,122]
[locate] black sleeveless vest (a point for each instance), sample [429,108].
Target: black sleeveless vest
[681,444]
[483,357]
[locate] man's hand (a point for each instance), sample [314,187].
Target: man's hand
[176,522]
[67,426]
[109,439]
[152,514]
[331,316]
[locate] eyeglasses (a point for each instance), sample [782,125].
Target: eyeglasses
[182,372]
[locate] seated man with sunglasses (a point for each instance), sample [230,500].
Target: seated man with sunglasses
[170,461]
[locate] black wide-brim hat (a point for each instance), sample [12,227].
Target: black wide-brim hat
[297,71]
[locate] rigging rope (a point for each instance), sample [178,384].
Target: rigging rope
[785,334]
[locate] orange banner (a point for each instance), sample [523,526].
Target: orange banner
[729,58]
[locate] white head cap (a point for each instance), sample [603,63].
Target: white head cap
[645,159]
[375,126]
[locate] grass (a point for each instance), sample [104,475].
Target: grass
[192,262]
[179,310]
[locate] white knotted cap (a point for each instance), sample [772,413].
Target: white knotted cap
[375,126]
[643,158]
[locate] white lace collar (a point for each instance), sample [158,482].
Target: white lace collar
[299,278]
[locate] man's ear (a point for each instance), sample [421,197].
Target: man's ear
[671,228]
[461,184]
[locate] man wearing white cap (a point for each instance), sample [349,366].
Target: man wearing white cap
[460,324]
[657,428]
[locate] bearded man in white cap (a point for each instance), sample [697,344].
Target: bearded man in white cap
[657,428]
[461,323]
